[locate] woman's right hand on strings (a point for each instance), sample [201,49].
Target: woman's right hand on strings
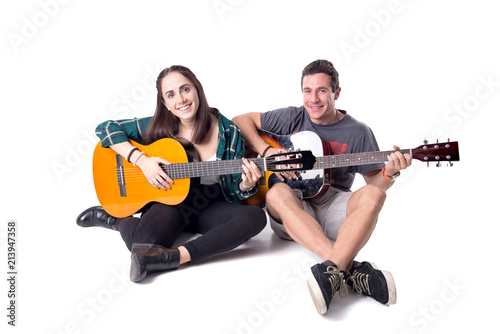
[156,177]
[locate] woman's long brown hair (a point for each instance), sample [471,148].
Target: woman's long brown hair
[164,124]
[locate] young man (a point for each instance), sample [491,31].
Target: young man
[344,217]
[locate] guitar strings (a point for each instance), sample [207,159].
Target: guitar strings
[224,167]
[344,160]
[196,169]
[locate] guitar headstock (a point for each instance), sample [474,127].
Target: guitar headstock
[438,152]
[292,161]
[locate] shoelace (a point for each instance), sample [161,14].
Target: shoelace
[360,282]
[336,280]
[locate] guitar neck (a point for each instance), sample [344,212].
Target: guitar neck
[224,167]
[354,159]
[209,168]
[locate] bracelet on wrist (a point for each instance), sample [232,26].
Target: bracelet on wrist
[140,155]
[387,177]
[132,150]
[265,151]
[245,188]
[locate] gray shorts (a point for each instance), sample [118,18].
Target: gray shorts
[329,210]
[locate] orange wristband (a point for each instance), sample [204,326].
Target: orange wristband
[385,175]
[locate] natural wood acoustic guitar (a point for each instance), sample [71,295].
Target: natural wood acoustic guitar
[123,190]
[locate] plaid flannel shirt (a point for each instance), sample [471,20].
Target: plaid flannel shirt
[230,145]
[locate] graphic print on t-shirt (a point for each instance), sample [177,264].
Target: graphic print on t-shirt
[335,147]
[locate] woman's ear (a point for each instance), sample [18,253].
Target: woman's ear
[164,104]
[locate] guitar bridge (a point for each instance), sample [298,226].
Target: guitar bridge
[120,176]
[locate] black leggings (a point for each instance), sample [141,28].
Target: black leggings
[223,225]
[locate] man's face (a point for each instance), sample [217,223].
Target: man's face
[319,99]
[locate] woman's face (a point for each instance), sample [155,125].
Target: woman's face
[180,96]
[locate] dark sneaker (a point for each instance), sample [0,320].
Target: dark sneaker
[365,278]
[326,281]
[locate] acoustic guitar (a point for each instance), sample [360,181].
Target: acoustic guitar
[316,180]
[123,190]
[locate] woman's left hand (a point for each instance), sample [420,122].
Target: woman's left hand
[251,174]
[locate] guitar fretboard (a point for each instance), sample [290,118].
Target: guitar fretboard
[225,167]
[208,168]
[353,159]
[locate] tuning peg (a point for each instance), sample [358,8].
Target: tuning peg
[425,141]
[450,164]
[438,164]
[427,164]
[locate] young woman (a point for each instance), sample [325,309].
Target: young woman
[182,113]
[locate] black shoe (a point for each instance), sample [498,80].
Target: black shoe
[365,278]
[326,281]
[96,216]
[149,258]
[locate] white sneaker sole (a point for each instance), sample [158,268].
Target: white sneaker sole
[317,295]
[391,285]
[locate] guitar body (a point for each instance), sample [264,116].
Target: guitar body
[122,189]
[310,182]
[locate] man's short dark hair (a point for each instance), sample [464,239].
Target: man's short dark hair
[322,66]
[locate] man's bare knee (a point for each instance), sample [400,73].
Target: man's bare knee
[278,192]
[281,197]
[375,195]
[368,197]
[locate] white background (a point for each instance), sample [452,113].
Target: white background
[409,69]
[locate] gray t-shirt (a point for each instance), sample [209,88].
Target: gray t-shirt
[346,136]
